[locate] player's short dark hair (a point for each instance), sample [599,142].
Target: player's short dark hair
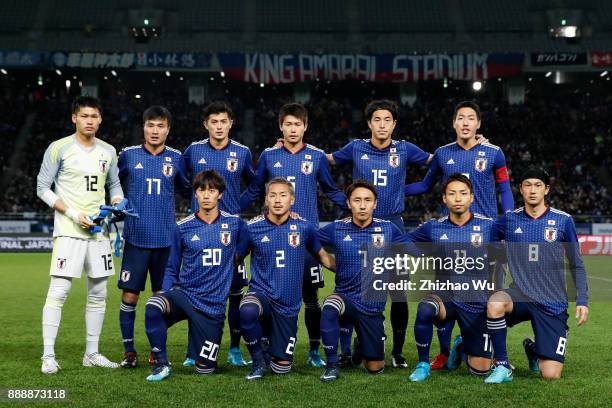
[280,180]
[460,178]
[157,112]
[536,172]
[294,109]
[467,104]
[210,179]
[360,183]
[216,107]
[86,101]
[381,104]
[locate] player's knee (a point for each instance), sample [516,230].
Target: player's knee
[427,310]
[550,373]
[204,369]
[58,292]
[375,367]
[333,306]
[250,309]
[496,306]
[156,305]
[478,366]
[130,297]
[280,366]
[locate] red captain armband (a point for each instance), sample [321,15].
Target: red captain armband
[501,175]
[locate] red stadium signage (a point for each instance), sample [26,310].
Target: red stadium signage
[601,59]
[595,244]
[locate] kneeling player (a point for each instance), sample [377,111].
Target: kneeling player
[197,278]
[346,304]
[269,311]
[537,237]
[468,234]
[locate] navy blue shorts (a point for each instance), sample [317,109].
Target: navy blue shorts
[551,332]
[205,331]
[135,264]
[473,327]
[313,273]
[280,331]
[239,278]
[370,330]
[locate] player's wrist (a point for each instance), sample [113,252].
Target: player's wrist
[73,214]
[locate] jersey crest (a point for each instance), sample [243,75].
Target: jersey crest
[306,167]
[378,240]
[394,160]
[232,164]
[550,234]
[226,237]
[481,164]
[294,239]
[476,239]
[103,165]
[167,169]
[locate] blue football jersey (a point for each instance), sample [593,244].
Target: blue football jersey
[468,241]
[536,250]
[277,260]
[348,241]
[150,183]
[234,162]
[305,169]
[484,165]
[385,168]
[201,262]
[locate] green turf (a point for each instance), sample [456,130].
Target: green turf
[585,382]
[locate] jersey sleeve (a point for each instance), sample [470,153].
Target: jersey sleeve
[122,165]
[431,178]
[256,187]
[243,247]
[112,179]
[248,174]
[416,155]
[326,234]
[46,176]
[502,179]
[345,154]
[313,245]
[420,234]
[173,266]
[576,265]
[499,229]
[329,186]
[181,180]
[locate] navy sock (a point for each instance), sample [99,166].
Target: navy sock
[127,317]
[157,332]
[399,324]
[423,329]
[233,318]
[498,333]
[445,332]
[251,331]
[312,318]
[346,334]
[330,333]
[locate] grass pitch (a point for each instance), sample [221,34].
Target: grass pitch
[586,380]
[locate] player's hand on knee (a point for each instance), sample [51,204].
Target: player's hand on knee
[582,314]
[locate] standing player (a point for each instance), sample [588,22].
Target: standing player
[306,167]
[485,165]
[348,304]
[383,162]
[149,172]
[538,238]
[461,234]
[234,163]
[278,246]
[197,278]
[82,168]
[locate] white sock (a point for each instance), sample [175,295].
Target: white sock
[52,312]
[94,312]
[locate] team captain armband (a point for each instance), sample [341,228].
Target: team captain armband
[501,175]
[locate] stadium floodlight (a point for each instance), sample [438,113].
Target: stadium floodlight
[137,96]
[4,71]
[168,73]
[181,78]
[477,85]
[58,72]
[40,80]
[68,83]
[444,84]
[549,73]
[222,74]
[261,85]
[603,74]
[114,73]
